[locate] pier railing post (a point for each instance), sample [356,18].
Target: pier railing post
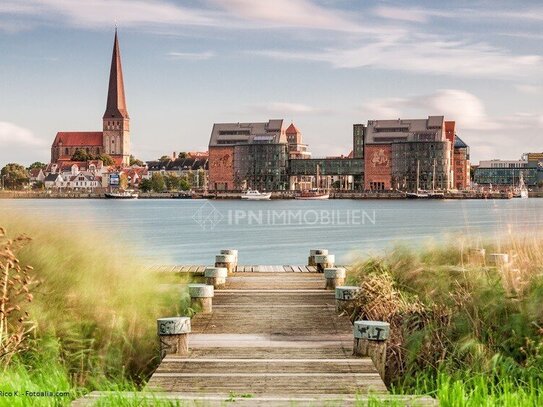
[173,334]
[370,340]
[345,296]
[313,253]
[498,259]
[201,297]
[216,276]
[233,252]
[477,256]
[334,277]
[228,261]
[324,261]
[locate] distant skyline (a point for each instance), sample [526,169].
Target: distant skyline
[322,64]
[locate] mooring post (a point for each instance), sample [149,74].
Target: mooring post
[324,261]
[216,276]
[498,259]
[335,277]
[233,252]
[173,334]
[477,255]
[345,296]
[201,297]
[370,339]
[313,253]
[228,261]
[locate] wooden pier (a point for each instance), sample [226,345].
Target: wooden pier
[273,338]
[199,269]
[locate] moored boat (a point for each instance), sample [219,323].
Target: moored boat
[253,195]
[312,194]
[121,195]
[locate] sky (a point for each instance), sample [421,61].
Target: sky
[322,64]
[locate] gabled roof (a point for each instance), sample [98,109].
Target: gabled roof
[51,177]
[459,143]
[78,139]
[292,129]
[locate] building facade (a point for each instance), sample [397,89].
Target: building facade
[114,139]
[506,174]
[248,155]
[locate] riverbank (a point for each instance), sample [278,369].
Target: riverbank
[237,195]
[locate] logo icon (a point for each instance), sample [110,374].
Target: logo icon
[207,216]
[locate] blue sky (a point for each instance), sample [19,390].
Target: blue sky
[323,64]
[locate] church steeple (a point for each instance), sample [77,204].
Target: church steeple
[116,123]
[116,103]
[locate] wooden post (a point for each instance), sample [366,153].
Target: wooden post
[370,340]
[313,253]
[216,276]
[498,259]
[334,276]
[477,256]
[201,297]
[228,261]
[324,261]
[173,334]
[233,252]
[345,296]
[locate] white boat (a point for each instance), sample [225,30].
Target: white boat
[313,194]
[253,195]
[121,195]
[523,191]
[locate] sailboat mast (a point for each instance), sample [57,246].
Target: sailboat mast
[418,176]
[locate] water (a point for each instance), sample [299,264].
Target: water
[281,232]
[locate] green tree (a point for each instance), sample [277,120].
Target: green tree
[164,159]
[14,176]
[184,185]
[157,182]
[135,161]
[81,155]
[37,164]
[106,159]
[182,154]
[38,186]
[146,185]
[172,182]
[123,181]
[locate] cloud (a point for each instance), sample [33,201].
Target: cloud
[192,56]
[13,135]
[411,14]
[286,108]
[424,54]
[529,89]
[465,108]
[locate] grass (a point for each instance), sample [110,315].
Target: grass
[464,331]
[94,309]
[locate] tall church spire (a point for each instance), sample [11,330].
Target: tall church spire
[116,103]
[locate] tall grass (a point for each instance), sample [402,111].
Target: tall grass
[462,329]
[94,310]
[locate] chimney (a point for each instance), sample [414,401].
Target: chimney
[174,155]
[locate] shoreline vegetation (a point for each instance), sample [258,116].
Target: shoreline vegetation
[463,331]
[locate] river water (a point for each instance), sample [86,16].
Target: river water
[282,231]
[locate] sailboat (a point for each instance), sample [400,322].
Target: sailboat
[417,194]
[523,190]
[314,193]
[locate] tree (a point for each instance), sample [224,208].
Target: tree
[172,182]
[182,154]
[81,155]
[38,186]
[106,159]
[164,159]
[14,176]
[157,182]
[37,164]
[184,185]
[135,161]
[146,185]
[123,181]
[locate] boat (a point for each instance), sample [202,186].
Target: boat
[183,195]
[416,195]
[254,195]
[121,195]
[523,191]
[312,194]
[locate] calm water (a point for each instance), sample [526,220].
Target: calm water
[281,232]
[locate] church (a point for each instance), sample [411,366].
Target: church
[114,139]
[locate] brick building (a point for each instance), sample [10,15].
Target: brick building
[114,139]
[248,155]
